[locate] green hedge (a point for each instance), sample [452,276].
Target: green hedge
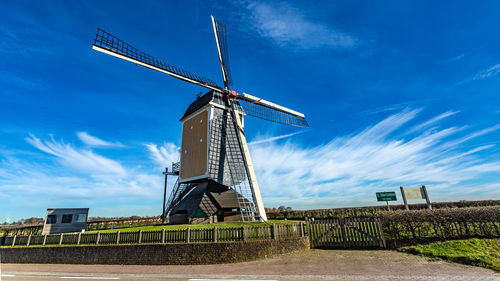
[372,210]
[408,227]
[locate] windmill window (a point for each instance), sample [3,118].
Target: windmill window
[67,218]
[81,218]
[51,219]
[185,151]
[191,127]
[201,120]
[201,140]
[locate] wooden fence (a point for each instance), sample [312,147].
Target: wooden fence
[346,233]
[332,233]
[160,236]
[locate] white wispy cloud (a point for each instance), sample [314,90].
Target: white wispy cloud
[78,177]
[275,138]
[288,26]
[95,141]
[78,159]
[29,187]
[473,135]
[491,71]
[348,170]
[433,121]
[455,58]
[483,74]
[164,155]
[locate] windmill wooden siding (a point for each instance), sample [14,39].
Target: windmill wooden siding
[194,146]
[210,149]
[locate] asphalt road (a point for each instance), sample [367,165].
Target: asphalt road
[308,265]
[25,276]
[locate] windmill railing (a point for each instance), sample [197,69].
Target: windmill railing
[188,235]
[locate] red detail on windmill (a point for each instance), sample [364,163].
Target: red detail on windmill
[232,94]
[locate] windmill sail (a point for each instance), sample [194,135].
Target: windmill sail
[111,45]
[221,40]
[269,111]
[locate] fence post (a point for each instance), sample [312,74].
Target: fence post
[342,229]
[118,237]
[309,233]
[188,232]
[79,238]
[275,232]
[301,229]
[29,240]
[14,240]
[98,238]
[163,235]
[44,239]
[139,239]
[424,189]
[214,234]
[245,234]
[382,237]
[60,239]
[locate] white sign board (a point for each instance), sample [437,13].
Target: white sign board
[414,193]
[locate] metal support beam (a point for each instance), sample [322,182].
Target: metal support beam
[252,179]
[164,196]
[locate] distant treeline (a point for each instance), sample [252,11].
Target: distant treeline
[100,223]
[105,219]
[372,210]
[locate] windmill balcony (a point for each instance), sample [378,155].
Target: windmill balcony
[176,167]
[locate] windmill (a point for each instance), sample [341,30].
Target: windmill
[216,178]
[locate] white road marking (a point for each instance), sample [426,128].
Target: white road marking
[228,280]
[89,277]
[7,275]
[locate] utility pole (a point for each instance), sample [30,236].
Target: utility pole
[164,196]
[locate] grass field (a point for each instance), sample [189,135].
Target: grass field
[478,252]
[195,226]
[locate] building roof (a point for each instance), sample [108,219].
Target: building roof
[201,101]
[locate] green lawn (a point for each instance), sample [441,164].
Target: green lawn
[195,226]
[478,252]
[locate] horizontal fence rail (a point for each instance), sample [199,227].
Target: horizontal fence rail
[159,236]
[363,232]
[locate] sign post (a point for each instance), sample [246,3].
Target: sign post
[386,196]
[424,190]
[404,198]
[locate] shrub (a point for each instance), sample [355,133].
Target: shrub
[407,227]
[372,210]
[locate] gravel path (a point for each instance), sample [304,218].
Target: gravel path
[311,265]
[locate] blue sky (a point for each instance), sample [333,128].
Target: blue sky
[396,93]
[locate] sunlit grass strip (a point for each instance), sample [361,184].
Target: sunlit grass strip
[195,226]
[478,252]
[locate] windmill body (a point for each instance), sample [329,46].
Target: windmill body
[216,180]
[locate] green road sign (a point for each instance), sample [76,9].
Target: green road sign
[386,196]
